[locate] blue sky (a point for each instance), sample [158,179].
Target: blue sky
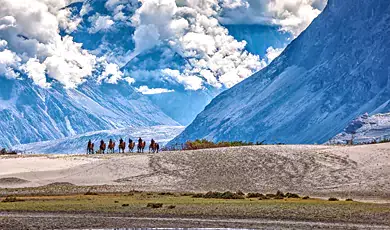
[188,44]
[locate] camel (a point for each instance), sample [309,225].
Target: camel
[102,147]
[131,146]
[111,146]
[154,147]
[90,148]
[122,146]
[141,147]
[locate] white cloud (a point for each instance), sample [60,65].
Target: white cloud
[147,91]
[3,44]
[146,37]
[31,31]
[112,73]
[8,61]
[190,82]
[273,53]
[85,9]
[191,29]
[36,71]
[293,16]
[100,23]
[68,22]
[120,8]
[129,80]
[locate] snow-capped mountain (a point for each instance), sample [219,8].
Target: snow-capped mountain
[117,44]
[29,113]
[78,144]
[334,71]
[365,129]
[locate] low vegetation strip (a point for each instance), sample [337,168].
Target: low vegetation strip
[205,144]
[176,205]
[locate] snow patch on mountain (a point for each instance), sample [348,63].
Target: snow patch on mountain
[365,129]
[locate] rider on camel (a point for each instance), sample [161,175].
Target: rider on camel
[101,142]
[89,143]
[130,141]
[121,141]
[152,142]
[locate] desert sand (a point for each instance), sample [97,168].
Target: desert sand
[316,170]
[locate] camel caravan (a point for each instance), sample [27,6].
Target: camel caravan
[154,147]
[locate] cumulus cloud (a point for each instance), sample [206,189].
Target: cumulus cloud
[34,46]
[195,31]
[121,8]
[112,74]
[273,53]
[192,30]
[67,21]
[36,71]
[100,23]
[8,61]
[147,91]
[293,16]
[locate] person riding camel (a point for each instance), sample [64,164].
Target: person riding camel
[140,141]
[101,142]
[121,141]
[89,143]
[110,142]
[152,142]
[130,141]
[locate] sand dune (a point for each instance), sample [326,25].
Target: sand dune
[315,170]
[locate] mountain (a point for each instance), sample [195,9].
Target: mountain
[77,144]
[334,71]
[365,129]
[29,113]
[117,44]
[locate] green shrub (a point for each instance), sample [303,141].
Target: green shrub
[280,194]
[305,198]
[205,144]
[333,199]
[230,195]
[171,207]
[187,194]
[166,194]
[292,195]
[218,195]
[89,193]
[240,193]
[198,195]
[270,196]
[255,195]
[349,199]
[125,205]
[154,205]
[11,200]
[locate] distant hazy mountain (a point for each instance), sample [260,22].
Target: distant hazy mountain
[29,113]
[334,71]
[365,129]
